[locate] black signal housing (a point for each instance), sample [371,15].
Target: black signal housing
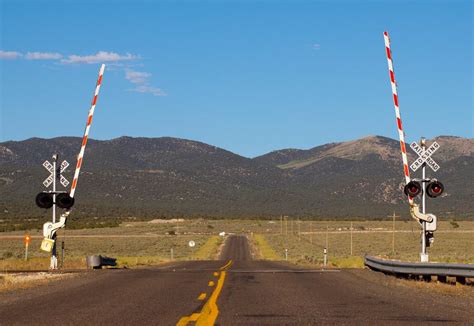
[412,188]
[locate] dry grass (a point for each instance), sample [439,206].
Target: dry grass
[144,243]
[209,250]
[305,242]
[263,249]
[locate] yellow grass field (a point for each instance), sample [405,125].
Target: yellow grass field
[151,242]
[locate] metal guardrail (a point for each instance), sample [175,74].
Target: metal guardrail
[97,261]
[424,269]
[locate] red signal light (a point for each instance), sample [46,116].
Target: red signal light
[434,189]
[412,189]
[44,200]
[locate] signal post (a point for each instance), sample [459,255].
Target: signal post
[51,199]
[424,186]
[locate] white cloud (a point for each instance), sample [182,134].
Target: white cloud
[99,57]
[148,89]
[137,77]
[9,54]
[43,56]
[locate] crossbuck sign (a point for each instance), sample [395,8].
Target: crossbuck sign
[424,156]
[49,180]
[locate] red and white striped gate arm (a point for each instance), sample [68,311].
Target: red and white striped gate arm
[86,132]
[401,134]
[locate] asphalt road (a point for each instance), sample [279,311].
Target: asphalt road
[233,291]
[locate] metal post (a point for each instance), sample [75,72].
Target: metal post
[55,158]
[286,254]
[54,258]
[351,238]
[62,254]
[171,254]
[311,232]
[325,256]
[424,255]
[327,232]
[26,251]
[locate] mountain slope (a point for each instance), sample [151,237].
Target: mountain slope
[176,177]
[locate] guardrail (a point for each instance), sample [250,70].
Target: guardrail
[427,270]
[97,261]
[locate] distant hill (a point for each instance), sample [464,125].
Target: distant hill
[150,177]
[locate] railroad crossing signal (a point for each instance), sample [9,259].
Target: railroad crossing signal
[49,180]
[424,156]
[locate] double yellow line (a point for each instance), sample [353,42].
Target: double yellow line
[210,311]
[227,266]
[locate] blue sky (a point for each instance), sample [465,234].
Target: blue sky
[248,76]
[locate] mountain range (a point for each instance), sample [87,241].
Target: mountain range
[170,177]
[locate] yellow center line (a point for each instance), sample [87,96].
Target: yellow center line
[194,317]
[211,283]
[226,266]
[209,312]
[202,296]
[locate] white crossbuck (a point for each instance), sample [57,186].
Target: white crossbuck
[49,180]
[424,156]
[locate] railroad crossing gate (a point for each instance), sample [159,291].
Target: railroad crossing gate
[424,156]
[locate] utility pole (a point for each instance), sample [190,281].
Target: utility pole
[281,224]
[393,231]
[299,229]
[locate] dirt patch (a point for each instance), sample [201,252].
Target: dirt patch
[161,221]
[15,281]
[433,287]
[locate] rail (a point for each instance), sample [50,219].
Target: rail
[441,270]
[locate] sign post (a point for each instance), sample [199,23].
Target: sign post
[424,159]
[191,245]
[53,177]
[26,240]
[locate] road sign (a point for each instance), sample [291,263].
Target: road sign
[49,180]
[191,243]
[62,179]
[424,156]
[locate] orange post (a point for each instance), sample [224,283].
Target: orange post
[26,240]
